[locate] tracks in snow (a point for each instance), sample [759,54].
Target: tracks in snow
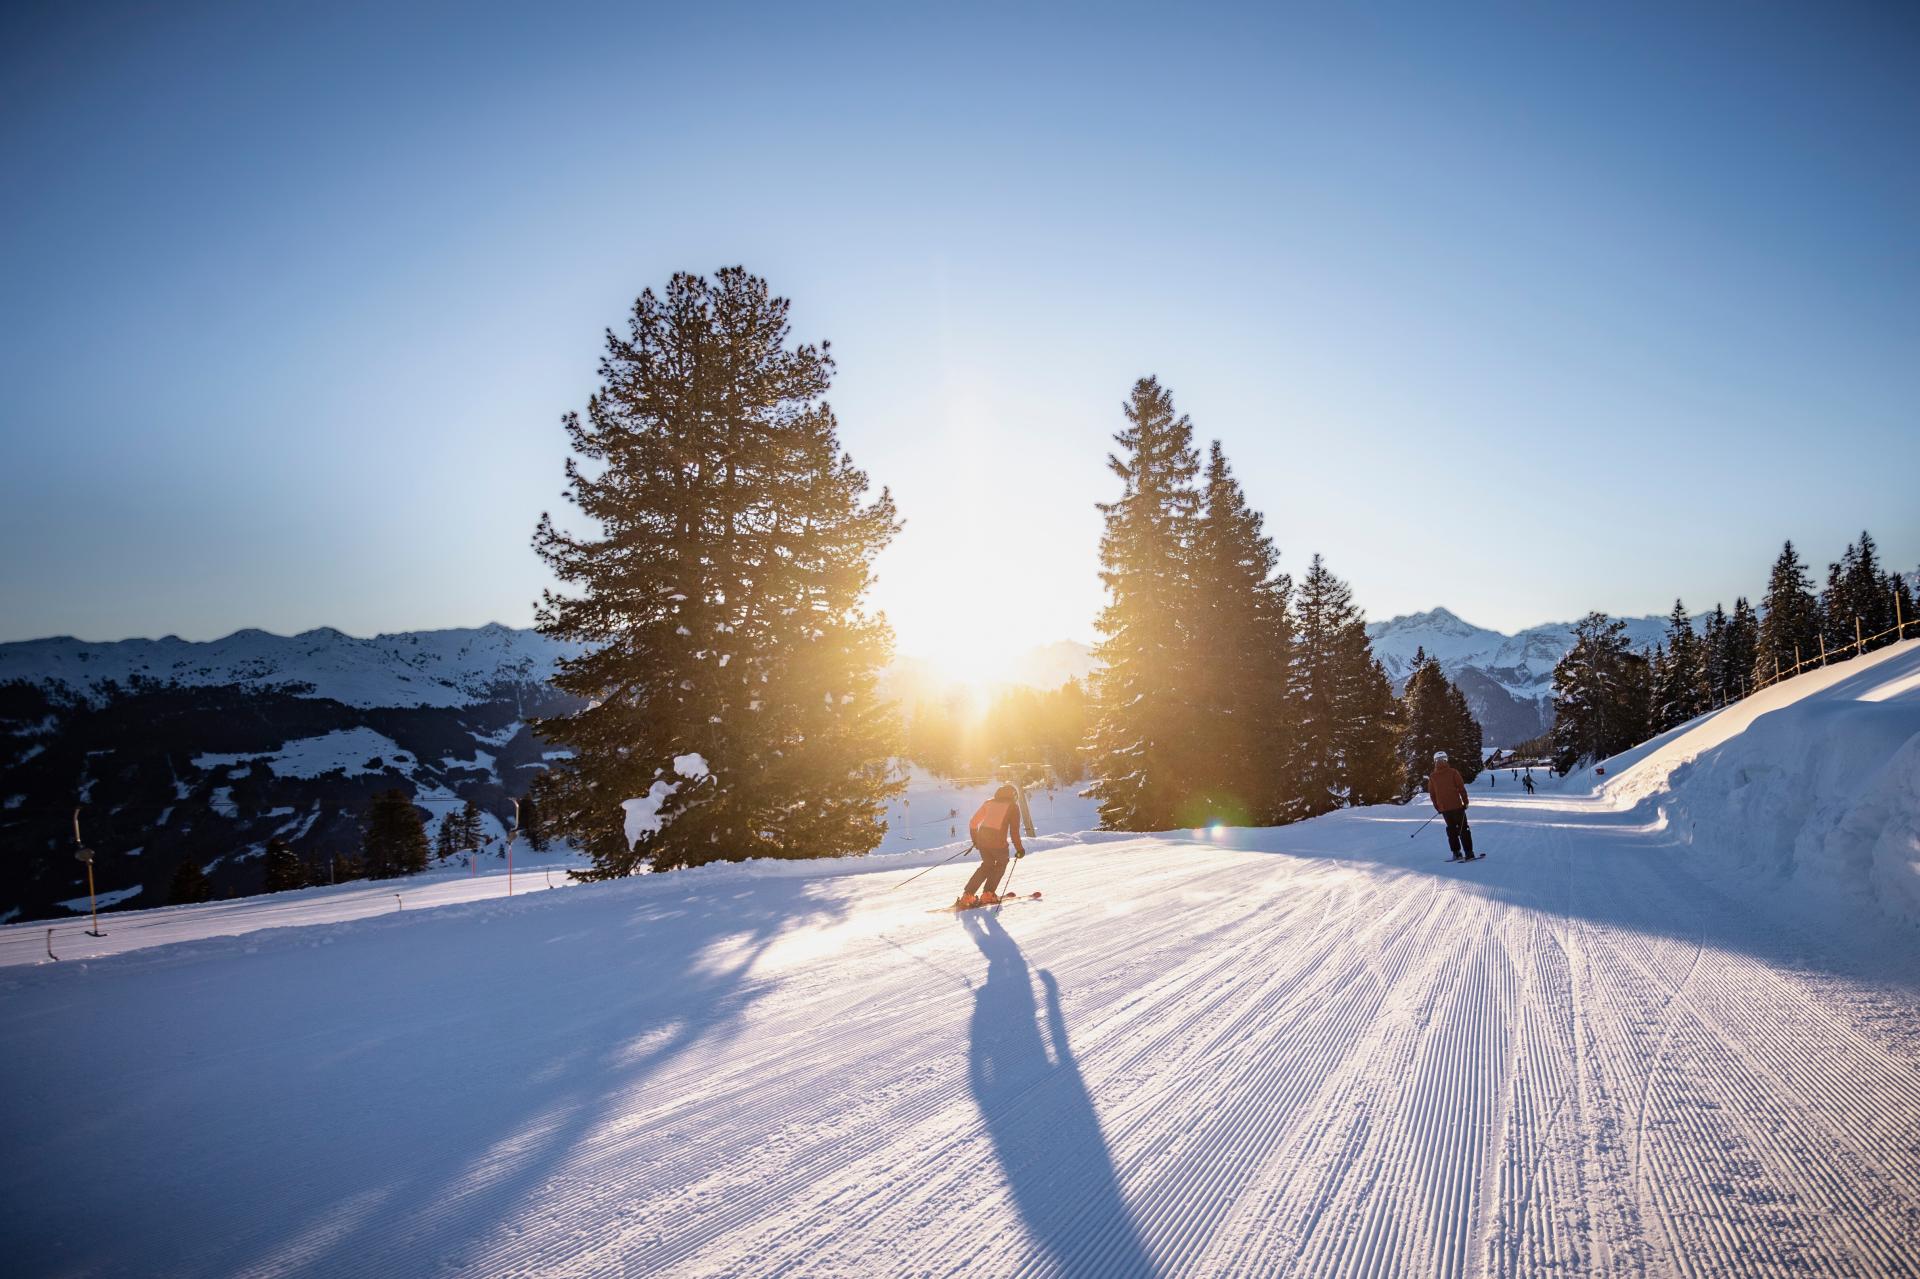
[1339,1056]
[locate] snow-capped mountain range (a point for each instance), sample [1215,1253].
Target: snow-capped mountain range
[1507,679]
[411,668]
[181,751]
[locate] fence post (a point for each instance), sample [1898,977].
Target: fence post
[1859,645]
[1823,649]
[1899,622]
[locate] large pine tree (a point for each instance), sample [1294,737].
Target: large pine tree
[1740,652]
[1347,716]
[1240,618]
[1434,716]
[394,841]
[1713,658]
[1144,732]
[1468,748]
[189,884]
[1679,674]
[719,596]
[1601,694]
[1789,620]
[533,823]
[1859,600]
[283,867]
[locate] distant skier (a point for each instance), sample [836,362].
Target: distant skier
[1527,782]
[1449,794]
[997,821]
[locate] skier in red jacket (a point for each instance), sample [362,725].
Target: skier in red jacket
[1449,794]
[996,822]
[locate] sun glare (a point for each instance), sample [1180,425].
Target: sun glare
[972,665]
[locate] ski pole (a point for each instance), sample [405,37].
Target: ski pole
[1008,886]
[942,862]
[1422,826]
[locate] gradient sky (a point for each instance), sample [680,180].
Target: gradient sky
[1524,312]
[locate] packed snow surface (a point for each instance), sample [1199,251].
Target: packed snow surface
[1607,1049]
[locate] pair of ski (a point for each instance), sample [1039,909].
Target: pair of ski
[1477,857]
[1004,901]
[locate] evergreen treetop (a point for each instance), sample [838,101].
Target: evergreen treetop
[1240,614]
[1789,628]
[1144,729]
[720,595]
[394,841]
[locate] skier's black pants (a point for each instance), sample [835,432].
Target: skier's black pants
[1459,834]
[992,866]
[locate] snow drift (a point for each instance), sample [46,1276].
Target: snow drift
[1815,780]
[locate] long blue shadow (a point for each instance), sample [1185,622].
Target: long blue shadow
[1041,1120]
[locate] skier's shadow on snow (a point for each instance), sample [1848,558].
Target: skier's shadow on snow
[1041,1119]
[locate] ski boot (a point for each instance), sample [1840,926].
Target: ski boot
[965,901]
[988,899]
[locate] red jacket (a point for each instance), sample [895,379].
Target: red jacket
[997,820]
[1448,791]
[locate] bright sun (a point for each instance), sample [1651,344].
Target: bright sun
[971,658]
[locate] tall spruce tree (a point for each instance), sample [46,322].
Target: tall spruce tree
[1239,612]
[1601,691]
[283,867]
[189,884]
[394,841]
[1679,674]
[1789,618]
[473,828]
[1741,649]
[1434,716]
[1866,598]
[1144,732]
[446,840]
[533,829]
[1857,604]
[1713,659]
[720,599]
[1347,734]
[1468,747]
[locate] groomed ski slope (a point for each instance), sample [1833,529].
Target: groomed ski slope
[1615,1047]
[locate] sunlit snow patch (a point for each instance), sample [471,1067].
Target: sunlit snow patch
[643,814]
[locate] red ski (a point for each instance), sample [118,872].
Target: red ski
[955,910]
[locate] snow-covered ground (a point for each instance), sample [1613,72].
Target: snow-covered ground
[1618,1046]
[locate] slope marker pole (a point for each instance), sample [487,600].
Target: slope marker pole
[82,853]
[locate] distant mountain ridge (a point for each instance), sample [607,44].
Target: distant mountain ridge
[202,752]
[445,668]
[1507,679]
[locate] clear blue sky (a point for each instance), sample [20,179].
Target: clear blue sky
[1523,311]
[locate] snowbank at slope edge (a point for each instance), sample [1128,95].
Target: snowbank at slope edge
[1815,780]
